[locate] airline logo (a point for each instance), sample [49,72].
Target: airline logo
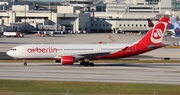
[157,33]
[42,50]
[175,25]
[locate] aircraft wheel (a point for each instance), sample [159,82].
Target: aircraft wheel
[91,64]
[86,64]
[82,63]
[25,64]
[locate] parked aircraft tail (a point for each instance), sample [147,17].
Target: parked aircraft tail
[150,23]
[175,26]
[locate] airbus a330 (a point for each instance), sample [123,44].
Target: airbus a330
[68,54]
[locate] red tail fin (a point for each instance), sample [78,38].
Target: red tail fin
[155,34]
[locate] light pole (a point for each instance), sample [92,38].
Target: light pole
[154,93]
[67,92]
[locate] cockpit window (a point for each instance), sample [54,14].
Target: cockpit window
[13,49]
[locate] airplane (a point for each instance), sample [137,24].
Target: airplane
[68,54]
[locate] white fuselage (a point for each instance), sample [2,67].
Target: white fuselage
[58,50]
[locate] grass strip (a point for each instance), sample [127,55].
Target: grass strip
[86,87]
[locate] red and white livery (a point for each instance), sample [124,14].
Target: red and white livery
[68,54]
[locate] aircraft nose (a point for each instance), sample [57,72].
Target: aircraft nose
[9,53]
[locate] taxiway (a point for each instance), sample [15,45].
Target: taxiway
[105,72]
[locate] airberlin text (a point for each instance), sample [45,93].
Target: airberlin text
[42,50]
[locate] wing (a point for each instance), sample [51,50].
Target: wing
[175,36]
[85,54]
[92,54]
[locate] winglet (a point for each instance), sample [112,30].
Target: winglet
[100,42]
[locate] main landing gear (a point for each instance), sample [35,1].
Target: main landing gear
[86,63]
[25,63]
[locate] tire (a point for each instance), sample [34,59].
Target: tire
[91,64]
[25,64]
[86,64]
[82,63]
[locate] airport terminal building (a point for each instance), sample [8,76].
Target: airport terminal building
[90,15]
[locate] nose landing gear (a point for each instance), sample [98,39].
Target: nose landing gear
[25,63]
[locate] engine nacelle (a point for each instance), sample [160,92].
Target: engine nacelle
[67,60]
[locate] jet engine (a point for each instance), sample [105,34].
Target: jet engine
[66,60]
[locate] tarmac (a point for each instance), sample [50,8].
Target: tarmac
[76,38]
[105,72]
